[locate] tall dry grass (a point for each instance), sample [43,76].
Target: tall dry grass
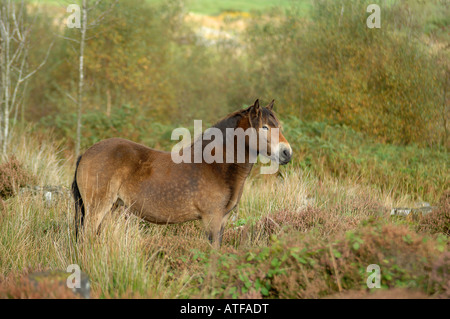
[131,258]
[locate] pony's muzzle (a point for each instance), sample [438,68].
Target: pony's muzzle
[285,153]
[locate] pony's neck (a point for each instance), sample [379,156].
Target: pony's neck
[234,170]
[232,121]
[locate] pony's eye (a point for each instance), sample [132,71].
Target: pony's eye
[265,127]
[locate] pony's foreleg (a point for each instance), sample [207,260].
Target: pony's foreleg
[214,226]
[222,227]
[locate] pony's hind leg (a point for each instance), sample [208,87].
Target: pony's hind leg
[101,202]
[97,213]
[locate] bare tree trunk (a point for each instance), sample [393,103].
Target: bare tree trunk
[445,108]
[82,42]
[108,103]
[81,79]
[6,36]
[14,33]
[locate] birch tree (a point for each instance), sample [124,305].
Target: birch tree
[85,25]
[15,32]
[81,78]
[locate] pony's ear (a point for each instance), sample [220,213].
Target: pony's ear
[254,112]
[255,107]
[270,106]
[256,104]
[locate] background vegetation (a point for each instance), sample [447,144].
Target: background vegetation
[148,71]
[365,110]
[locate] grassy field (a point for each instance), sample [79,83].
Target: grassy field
[294,236]
[368,131]
[214,7]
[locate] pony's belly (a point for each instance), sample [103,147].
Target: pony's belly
[166,213]
[169,193]
[169,219]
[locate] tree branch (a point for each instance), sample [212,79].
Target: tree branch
[40,65]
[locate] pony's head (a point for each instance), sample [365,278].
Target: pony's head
[270,137]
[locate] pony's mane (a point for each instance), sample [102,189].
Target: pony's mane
[230,121]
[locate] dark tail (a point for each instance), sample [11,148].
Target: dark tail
[79,205]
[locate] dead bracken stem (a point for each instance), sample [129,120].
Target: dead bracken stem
[336,272]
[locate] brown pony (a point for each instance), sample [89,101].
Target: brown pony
[155,188]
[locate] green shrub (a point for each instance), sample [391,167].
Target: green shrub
[298,266]
[340,151]
[384,82]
